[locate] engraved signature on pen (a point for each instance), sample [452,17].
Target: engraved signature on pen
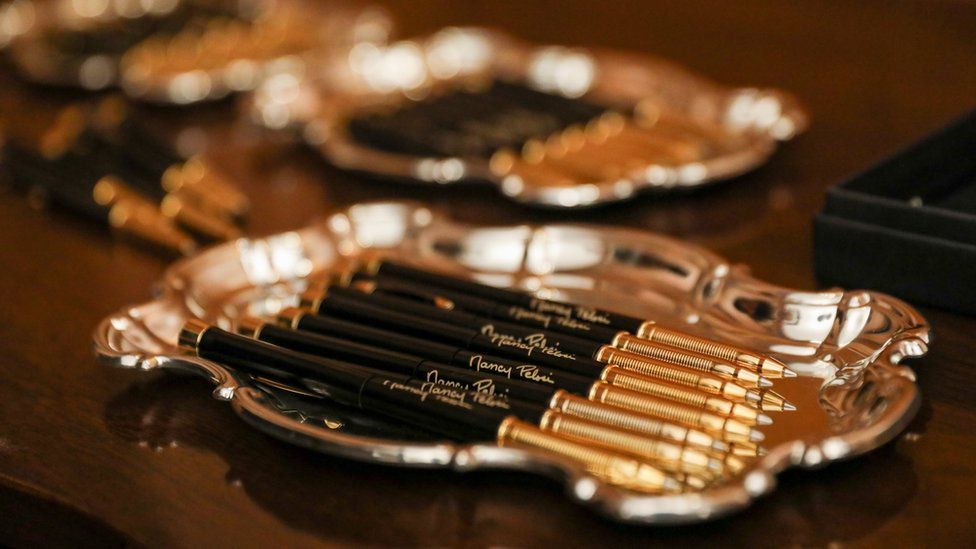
[586,314]
[530,343]
[591,315]
[530,372]
[486,385]
[547,320]
[447,395]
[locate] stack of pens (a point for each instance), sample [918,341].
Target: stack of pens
[107,166]
[638,405]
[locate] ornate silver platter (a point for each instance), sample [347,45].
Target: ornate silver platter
[852,394]
[693,130]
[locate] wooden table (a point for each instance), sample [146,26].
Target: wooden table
[91,454]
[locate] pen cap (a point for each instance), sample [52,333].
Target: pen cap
[459,414]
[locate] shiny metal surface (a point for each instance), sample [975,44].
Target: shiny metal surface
[714,131]
[205,60]
[852,393]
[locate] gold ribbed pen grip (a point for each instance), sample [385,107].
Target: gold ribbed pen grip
[632,421]
[592,411]
[635,401]
[647,386]
[700,345]
[644,347]
[614,468]
[641,365]
[668,456]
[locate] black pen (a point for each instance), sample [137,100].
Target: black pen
[461,338]
[413,366]
[463,415]
[549,348]
[451,300]
[307,336]
[640,333]
[565,414]
[626,391]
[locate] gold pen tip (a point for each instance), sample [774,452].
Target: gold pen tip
[763,382]
[788,407]
[756,436]
[788,373]
[763,419]
[720,446]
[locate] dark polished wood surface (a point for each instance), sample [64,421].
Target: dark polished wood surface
[91,454]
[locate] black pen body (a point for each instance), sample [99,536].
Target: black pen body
[459,357]
[591,315]
[459,414]
[491,309]
[415,367]
[535,348]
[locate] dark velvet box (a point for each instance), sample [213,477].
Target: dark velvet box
[907,226]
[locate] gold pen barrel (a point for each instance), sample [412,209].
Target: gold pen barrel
[185,213]
[746,449]
[617,377]
[673,373]
[761,364]
[725,428]
[199,173]
[197,180]
[702,363]
[614,468]
[669,457]
[635,422]
[133,215]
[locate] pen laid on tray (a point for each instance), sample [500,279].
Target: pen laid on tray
[464,415]
[435,373]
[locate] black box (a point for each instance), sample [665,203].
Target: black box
[907,226]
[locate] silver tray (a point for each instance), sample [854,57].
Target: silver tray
[744,125]
[852,393]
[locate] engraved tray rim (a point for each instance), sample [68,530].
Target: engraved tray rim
[621,505]
[623,76]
